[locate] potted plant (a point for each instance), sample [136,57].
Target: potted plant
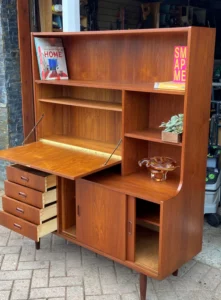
[173,129]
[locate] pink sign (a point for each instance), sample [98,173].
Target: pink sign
[180,63]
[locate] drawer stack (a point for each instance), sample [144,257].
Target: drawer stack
[30,202]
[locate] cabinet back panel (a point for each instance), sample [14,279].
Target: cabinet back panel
[162,107]
[122,59]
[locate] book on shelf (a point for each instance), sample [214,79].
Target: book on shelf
[51,58]
[179,71]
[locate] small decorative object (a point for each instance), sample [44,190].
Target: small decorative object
[173,129]
[159,166]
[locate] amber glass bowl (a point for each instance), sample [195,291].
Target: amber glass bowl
[159,166]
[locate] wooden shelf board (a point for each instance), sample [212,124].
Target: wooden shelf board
[57,30]
[84,103]
[140,87]
[140,185]
[150,219]
[69,142]
[71,231]
[67,161]
[147,248]
[150,134]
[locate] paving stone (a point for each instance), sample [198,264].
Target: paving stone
[4,230]
[5,285]
[40,278]
[73,259]
[4,295]
[13,275]
[75,271]
[10,262]
[103,297]
[196,295]
[57,240]
[65,281]
[128,278]
[9,250]
[46,255]
[14,236]
[182,284]
[32,265]
[197,272]
[91,282]
[75,293]
[57,269]
[119,288]
[47,292]
[65,248]
[28,253]
[4,239]
[211,280]
[20,289]
[107,275]
[165,295]
[132,296]
[218,292]
[163,285]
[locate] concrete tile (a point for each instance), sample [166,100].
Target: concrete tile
[131,296]
[164,295]
[9,250]
[211,279]
[107,275]
[57,268]
[14,275]
[75,293]
[4,295]
[163,285]
[20,289]
[92,282]
[119,288]
[32,265]
[65,281]
[10,262]
[5,285]
[4,239]
[197,272]
[28,253]
[45,255]
[47,292]
[73,258]
[103,297]
[40,278]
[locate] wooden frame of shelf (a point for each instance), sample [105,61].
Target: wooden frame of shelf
[82,126]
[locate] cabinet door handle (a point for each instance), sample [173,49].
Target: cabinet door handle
[129,227]
[22,194]
[20,210]
[78,210]
[24,178]
[17,225]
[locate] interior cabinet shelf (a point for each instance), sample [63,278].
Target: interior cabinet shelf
[84,103]
[144,87]
[150,134]
[147,248]
[70,231]
[149,218]
[140,185]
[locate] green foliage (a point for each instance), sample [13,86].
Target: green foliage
[175,124]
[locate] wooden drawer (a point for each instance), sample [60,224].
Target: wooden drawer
[29,196]
[27,212]
[30,178]
[25,228]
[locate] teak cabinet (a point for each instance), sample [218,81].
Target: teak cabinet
[109,204]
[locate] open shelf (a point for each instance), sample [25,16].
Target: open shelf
[57,13]
[140,185]
[71,231]
[144,87]
[85,103]
[150,134]
[148,212]
[57,30]
[147,248]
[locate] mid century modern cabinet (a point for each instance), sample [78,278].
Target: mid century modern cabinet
[112,206]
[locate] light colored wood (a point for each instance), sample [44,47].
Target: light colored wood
[29,196]
[45,11]
[147,248]
[69,163]
[171,137]
[47,227]
[70,231]
[84,103]
[147,87]
[98,223]
[26,176]
[153,135]
[28,212]
[48,212]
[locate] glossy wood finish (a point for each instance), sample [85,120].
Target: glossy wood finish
[28,212]
[28,177]
[131,228]
[98,223]
[63,161]
[26,68]
[143,286]
[29,196]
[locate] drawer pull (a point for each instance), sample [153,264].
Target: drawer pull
[20,210]
[24,178]
[17,225]
[22,194]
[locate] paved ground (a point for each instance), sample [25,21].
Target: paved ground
[65,271]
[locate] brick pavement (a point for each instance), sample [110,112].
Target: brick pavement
[61,270]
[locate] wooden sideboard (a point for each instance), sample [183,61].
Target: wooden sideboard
[112,206]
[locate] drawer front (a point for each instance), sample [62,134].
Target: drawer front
[21,210]
[24,194]
[29,196]
[30,178]
[25,228]
[18,225]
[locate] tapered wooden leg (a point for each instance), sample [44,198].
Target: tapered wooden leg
[37,245]
[143,286]
[175,273]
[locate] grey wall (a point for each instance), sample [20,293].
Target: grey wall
[11,133]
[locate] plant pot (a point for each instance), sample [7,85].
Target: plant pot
[171,137]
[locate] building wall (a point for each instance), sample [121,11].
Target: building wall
[11,133]
[108,9]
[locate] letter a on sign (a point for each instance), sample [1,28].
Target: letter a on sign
[180,63]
